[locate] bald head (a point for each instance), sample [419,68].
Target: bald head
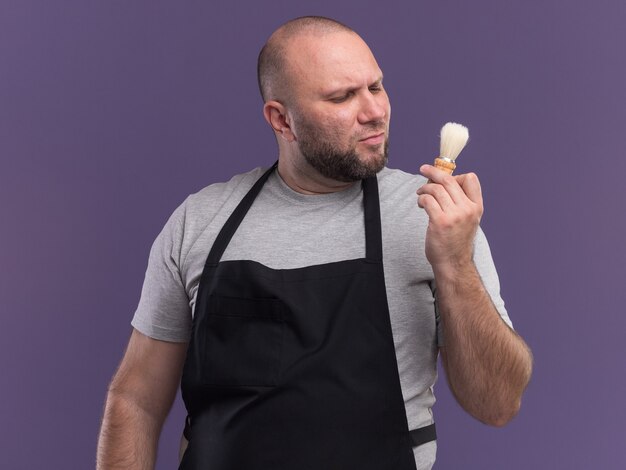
[273,63]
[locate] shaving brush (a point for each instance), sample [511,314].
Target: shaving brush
[453,139]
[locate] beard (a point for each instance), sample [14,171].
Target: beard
[320,150]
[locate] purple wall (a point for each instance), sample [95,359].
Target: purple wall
[112,112]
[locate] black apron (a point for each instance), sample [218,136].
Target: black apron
[295,369]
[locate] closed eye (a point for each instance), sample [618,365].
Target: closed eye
[341,99]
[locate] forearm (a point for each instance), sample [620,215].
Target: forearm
[128,437]
[487,364]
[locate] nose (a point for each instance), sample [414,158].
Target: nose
[373,107]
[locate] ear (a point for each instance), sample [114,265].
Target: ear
[276,116]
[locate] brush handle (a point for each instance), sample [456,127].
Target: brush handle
[444,165]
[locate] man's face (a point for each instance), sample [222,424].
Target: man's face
[340,111]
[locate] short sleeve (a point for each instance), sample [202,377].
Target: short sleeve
[487,271]
[163,312]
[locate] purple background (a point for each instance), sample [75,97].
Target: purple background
[112,112]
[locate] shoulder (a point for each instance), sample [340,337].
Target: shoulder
[397,188]
[392,181]
[400,213]
[216,192]
[199,209]
[203,205]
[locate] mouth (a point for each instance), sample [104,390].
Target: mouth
[374,139]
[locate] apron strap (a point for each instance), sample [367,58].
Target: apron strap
[423,435]
[373,232]
[187,430]
[231,225]
[418,436]
[371,207]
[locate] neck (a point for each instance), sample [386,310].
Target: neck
[304,179]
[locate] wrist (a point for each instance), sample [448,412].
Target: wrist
[451,272]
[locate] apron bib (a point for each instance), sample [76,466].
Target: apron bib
[295,369]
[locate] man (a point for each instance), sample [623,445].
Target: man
[321,292]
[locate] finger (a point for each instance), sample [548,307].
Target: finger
[470,184]
[440,194]
[434,174]
[430,205]
[446,180]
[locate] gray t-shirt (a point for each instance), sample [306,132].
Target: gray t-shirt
[285,230]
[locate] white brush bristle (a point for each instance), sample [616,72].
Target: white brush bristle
[453,139]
